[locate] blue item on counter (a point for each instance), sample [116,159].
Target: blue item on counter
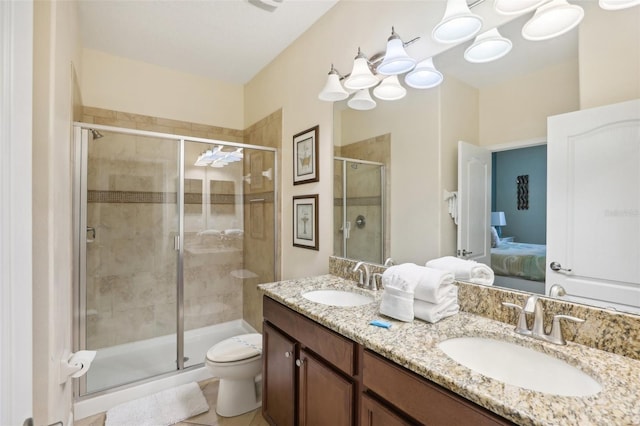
[380,323]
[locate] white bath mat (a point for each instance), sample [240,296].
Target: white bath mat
[160,409]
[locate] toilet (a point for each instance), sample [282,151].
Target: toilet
[237,361]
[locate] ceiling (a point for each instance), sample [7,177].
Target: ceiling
[227,40]
[232,40]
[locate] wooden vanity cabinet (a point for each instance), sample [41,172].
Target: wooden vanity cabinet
[309,371]
[413,396]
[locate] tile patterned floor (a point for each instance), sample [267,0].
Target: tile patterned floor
[210,418]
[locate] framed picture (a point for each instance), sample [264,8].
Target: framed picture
[305,156]
[305,221]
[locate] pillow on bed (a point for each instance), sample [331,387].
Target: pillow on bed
[495,240]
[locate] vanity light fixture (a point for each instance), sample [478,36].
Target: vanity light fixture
[361,76]
[396,60]
[488,47]
[390,89]
[517,7]
[424,75]
[333,90]
[457,24]
[362,101]
[617,4]
[552,19]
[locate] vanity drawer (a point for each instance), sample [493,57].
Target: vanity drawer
[421,399]
[334,348]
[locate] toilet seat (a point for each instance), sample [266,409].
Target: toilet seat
[237,348]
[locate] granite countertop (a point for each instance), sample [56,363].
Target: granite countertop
[415,346]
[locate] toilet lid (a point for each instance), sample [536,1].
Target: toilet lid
[236,348]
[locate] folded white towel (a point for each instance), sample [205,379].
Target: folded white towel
[397,304]
[434,312]
[464,270]
[433,285]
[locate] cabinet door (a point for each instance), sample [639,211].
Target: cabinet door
[324,397]
[278,377]
[372,413]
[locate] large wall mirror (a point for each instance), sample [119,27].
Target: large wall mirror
[500,105]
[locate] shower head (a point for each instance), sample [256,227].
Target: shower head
[96,134]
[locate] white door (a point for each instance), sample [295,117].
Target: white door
[593,205]
[474,203]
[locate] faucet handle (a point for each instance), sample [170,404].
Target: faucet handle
[556,331]
[521,327]
[376,281]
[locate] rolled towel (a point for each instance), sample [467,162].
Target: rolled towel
[434,312]
[433,285]
[464,270]
[397,304]
[403,277]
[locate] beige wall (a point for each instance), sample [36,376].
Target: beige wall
[609,56]
[121,84]
[413,124]
[55,50]
[459,121]
[517,110]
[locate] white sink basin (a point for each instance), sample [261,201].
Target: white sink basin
[337,298]
[520,366]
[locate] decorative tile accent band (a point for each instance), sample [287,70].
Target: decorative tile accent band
[100,196]
[359,201]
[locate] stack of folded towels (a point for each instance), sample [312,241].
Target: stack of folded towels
[464,270]
[418,291]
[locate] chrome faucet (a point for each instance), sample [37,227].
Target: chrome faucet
[364,279]
[534,306]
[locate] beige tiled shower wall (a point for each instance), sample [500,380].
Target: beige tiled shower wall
[131,265]
[259,251]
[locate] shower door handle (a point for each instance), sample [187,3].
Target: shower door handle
[91,231]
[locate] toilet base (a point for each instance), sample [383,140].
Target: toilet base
[236,397]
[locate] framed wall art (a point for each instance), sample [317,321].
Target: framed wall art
[305,221]
[305,156]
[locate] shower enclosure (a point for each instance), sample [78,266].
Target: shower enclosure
[170,230]
[359,209]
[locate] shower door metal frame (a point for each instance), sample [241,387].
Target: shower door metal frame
[81,141]
[383,207]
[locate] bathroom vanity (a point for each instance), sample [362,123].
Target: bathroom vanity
[326,365]
[316,368]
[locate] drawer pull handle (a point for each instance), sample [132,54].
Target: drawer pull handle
[299,362]
[287,354]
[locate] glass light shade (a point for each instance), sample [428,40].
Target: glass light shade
[424,75]
[361,76]
[488,47]
[362,101]
[516,7]
[617,4]
[333,90]
[396,61]
[458,23]
[390,89]
[552,19]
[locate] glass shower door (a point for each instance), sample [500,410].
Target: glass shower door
[128,206]
[361,227]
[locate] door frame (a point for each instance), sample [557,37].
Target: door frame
[16,227]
